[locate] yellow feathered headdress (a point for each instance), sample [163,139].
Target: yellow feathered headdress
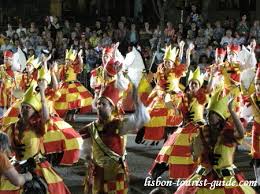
[32,98]
[44,74]
[170,54]
[196,76]
[71,54]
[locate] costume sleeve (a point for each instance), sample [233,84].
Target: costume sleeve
[4,163]
[136,120]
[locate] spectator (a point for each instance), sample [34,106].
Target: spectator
[145,34]
[132,35]
[255,31]
[9,31]
[169,32]
[20,29]
[66,28]
[227,38]
[218,31]
[7,45]
[208,31]
[242,27]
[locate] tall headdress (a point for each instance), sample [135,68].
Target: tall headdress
[196,76]
[71,54]
[170,54]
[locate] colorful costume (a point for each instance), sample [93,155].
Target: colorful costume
[110,73]
[255,149]
[231,75]
[73,94]
[7,82]
[31,138]
[216,160]
[60,137]
[166,98]
[176,152]
[108,171]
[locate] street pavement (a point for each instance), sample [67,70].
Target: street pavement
[140,159]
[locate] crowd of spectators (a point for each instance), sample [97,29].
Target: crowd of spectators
[57,35]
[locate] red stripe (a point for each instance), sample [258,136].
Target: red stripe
[54,146]
[159,112]
[70,133]
[59,188]
[189,128]
[61,113]
[154,133]
[184,151]
[70,157]
[72,90]
[13,112]
[181,170]
[174,120]
[85,109]
[10,192]
[86,94]
[62,98]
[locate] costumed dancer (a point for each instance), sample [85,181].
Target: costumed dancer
[109,72]
[107,168]
[166,97]
[29,74]
[74,96]
[175,155]
[7,82]
[230,71]
[26,137]
[255,104]
[61,142]
[214,148]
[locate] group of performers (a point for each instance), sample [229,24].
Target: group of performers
[198,116]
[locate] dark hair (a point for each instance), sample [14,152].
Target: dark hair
[4,141]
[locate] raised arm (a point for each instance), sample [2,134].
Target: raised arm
[53,70]
[138,118]
[188,53]
[45,111]
[181,46]
[240,131]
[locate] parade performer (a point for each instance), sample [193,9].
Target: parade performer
[26,139]
[107,172]
[230,71]
[175,154]
[213,149]
[166,98]
[29,74]
[61,142]
[109,72]
[7,82]
[74,95]
[255,104]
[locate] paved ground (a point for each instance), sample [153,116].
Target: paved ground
[140,158]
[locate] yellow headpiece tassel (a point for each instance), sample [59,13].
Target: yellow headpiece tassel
[71,54]
[170,54]
[36,63]
[30,60]
[32,98]
[44,74]
[196,76]
[218,104]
